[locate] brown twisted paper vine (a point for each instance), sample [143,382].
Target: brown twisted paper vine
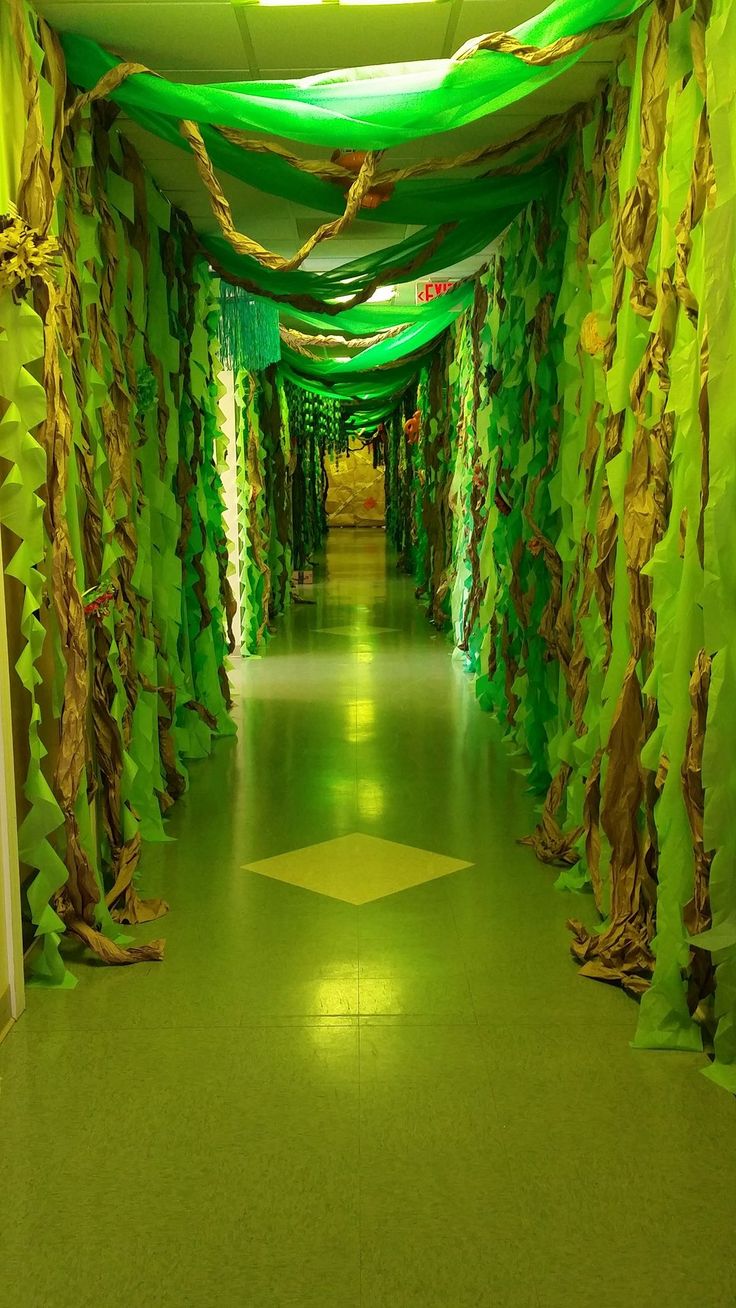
[41,174]
[553,843]
[542,56]
[245,245]
[368,179]
[552,131]
[305,344]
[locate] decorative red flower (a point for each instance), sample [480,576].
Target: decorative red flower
[99,606]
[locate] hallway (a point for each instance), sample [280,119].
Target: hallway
[320,1103]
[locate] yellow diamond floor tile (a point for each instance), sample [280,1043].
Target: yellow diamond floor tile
[357,868]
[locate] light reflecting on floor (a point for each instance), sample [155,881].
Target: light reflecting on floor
[414,1101]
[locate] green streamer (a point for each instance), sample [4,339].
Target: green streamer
[371,108]
[426,250]
[426,200]
[440,314]
[21,513]
[248,330]
[719,594]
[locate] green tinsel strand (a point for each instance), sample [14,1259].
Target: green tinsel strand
[249,330]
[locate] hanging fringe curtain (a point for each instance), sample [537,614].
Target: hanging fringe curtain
[249,330]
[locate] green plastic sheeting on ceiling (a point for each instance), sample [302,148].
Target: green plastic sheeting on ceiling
[360,108]
[365,387]
[363,321]
[367,398]
[426,200]
[428,250]
[375,379]
[438,315]
[372,382]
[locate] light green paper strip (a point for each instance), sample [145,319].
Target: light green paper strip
[719,609]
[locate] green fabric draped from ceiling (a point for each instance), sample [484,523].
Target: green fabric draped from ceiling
[365,388]
[363,108]
[428,249]
[366,108]
[368,398]
[427,200]
[436,317]
[370,108]
[375,379]
[370,417]
[363,321]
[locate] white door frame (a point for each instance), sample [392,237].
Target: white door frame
[12,999]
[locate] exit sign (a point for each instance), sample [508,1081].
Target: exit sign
[426,291]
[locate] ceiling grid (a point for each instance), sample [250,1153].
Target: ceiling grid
[241,13]
[202,41]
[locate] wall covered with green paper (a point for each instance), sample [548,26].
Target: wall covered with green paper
[282,434]
[584,444]
[110,501]
[559,480]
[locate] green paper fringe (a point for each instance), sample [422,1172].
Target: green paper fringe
[249,330]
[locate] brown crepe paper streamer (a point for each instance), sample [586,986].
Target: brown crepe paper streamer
[305,344]
[116,423]
[479,491]
[552,131]
[622,952]
[40,185]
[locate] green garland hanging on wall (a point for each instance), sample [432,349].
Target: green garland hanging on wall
[249,330]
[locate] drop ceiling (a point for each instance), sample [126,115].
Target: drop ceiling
[217,41]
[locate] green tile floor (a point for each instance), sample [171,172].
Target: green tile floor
[317,1105]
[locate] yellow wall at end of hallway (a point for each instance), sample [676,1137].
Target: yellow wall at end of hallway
[356,493]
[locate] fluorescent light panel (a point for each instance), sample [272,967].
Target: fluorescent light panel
[383,295]
[289,4]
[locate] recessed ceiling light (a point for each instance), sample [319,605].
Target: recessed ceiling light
[384,2]
[384,293]
[288,4]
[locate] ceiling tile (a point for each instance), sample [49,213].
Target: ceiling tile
[477,17]
[200,41]
[480,16]
[329,36]
[374,233]
[162,34]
